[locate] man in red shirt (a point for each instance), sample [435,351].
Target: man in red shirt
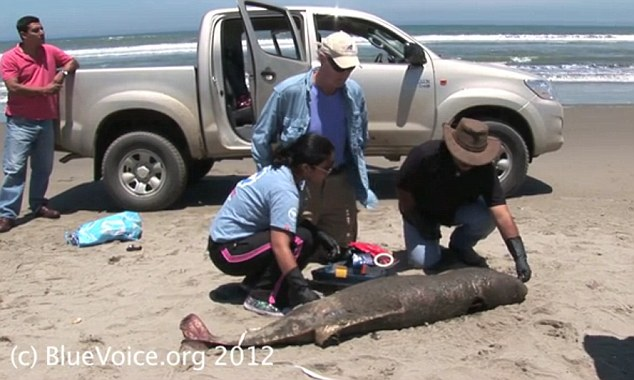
[33,73]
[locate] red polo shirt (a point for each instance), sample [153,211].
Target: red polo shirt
[38,72]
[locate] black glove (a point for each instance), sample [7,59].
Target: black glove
[516,248]
[333,251]
[298,290]
[330,245]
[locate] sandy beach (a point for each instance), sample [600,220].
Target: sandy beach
[574,213]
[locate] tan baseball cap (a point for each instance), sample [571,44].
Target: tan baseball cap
[341,48]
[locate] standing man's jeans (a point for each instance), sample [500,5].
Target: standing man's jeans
[474,221]
[25,138]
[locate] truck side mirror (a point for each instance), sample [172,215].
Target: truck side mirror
[414,54]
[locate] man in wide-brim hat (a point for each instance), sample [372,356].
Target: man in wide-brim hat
[453,182]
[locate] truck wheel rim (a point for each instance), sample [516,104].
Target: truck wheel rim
[504,164]
[142,172]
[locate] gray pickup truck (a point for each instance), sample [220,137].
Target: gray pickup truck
[151,131]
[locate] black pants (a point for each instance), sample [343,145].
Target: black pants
[253,257]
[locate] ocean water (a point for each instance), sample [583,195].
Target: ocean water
[586,64]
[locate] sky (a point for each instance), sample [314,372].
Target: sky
[74,18]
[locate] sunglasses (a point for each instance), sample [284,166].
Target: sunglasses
[337,68]
[323,170]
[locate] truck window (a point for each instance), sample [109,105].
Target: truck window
[234,66]
[275,36]
[376,44]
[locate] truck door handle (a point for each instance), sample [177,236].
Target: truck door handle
[268,74]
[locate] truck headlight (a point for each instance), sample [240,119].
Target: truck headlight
[541,88]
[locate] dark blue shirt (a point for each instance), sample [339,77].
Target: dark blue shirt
[439,188]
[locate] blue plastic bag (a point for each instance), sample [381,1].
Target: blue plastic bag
[123,226]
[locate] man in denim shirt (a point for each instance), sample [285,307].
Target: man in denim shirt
[324,101]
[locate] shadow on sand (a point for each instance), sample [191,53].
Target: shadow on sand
[448,261]
[230,293]
[613,357]
[383,183]
[92,196]
[213,190]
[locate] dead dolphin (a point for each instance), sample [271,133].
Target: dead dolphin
[387,303]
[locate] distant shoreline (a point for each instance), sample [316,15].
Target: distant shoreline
[13,38]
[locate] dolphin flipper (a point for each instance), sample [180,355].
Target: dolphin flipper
[329,334]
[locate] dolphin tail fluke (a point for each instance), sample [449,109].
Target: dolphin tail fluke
[196,333]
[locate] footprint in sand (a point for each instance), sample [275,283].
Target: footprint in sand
[90,341]
[366,367]
[490,350]
[624,309]
[557,329]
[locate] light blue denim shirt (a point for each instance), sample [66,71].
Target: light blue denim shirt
[286,117]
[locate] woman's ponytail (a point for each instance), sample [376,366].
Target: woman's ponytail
[282,156]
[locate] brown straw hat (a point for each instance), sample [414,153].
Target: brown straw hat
[470,142]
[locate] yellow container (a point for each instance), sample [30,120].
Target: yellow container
[341,272]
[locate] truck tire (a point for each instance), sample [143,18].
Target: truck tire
[512,165]
[143,171]
[197,169]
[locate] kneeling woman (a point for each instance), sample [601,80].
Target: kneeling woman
[256,232]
